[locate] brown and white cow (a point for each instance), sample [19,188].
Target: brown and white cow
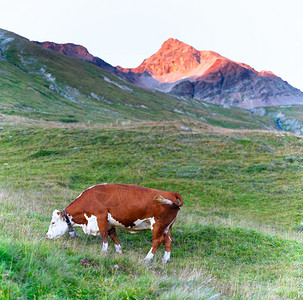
[103,208]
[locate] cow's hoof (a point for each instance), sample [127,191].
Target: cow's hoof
[118,249]
[166,257]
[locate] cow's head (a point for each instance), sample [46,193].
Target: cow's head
[58,226]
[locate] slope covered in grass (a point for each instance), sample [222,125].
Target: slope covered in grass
[237,236]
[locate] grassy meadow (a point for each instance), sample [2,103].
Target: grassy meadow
[238,235]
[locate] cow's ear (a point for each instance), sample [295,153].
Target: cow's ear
[56,213]
[61,215]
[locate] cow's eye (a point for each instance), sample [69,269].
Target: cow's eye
[53,223]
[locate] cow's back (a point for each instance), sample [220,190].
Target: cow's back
[128,203]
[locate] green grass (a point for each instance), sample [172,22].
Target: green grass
[238,235]
[232,172]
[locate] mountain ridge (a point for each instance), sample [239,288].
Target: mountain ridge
[179,69]
[39,83]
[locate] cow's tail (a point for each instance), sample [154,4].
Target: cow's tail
[162,200]
[178,196]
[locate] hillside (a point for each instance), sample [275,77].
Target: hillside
[43,84]
[40,83]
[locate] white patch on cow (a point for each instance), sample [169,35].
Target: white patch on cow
[140,225]
[166,257]
[144,224]
[118,248]
[149,256]
[114,223]
[58,226]
[167,201]
[167,228]
[92,225]
[162,200]
[104,247]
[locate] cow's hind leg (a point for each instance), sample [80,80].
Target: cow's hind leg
[158,238]
[113,235]
[167,243]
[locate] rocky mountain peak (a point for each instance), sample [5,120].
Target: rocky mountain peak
[174,61]
[173,46]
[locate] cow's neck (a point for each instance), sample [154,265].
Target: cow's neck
[77,208]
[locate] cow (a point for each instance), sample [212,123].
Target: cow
[102,208]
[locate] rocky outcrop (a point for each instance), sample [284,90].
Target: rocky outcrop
[69,49]
[77,51]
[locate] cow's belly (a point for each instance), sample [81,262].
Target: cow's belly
[144,224]
[92,228]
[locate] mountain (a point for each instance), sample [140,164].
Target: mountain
[66,84]
[180,69]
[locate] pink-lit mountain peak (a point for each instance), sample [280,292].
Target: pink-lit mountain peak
[174,46]
[176,60]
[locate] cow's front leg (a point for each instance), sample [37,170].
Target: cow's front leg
[103,227]
[113,235]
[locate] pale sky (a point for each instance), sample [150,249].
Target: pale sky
[265,34]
